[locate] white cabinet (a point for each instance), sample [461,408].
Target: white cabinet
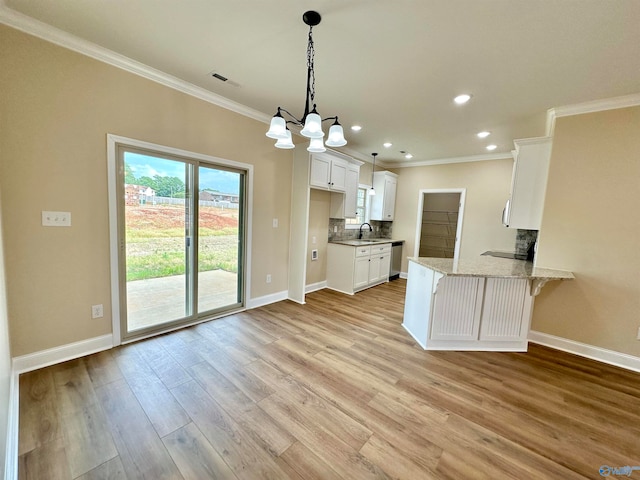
[379,263]
[466,312]
[351,268]
[528,184]
[328,172]
[383,203]
[361,273]
[344,205]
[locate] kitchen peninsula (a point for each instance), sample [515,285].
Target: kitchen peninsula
[480,304]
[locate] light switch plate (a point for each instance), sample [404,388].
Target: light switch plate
[56,219]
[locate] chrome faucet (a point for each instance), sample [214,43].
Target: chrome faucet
[360,234]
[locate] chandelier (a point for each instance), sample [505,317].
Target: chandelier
[311,122]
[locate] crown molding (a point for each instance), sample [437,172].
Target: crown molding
[443,161]
[54,35]
[590,107]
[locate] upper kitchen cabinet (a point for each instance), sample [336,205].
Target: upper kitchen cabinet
[383,203]
[328,171]
[345,205]
[528,184]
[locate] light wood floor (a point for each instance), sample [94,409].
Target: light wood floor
[334,389]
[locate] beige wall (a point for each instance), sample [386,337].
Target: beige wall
[319,204]
[57,108]
[487,189]
[365,173]
[591,226]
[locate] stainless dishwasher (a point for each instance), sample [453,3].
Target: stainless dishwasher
[396,259]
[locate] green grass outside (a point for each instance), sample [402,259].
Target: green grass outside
[164,264]
[162,260]
[143,235]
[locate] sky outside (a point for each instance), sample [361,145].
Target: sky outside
[210,178]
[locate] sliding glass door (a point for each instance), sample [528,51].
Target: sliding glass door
[220,234]
[181,237]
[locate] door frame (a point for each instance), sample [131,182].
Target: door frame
[421,193]
[113,141]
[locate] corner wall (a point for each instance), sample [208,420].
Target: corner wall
[591,226]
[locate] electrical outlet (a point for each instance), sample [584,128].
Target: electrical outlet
[97,311]
[268,278]
[275,223]
[638,336]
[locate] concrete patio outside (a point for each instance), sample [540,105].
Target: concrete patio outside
[160,300]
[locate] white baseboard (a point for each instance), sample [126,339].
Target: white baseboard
[404,275]
[313,287]
[599,354]
[267,299]
[44,358]
[13,414]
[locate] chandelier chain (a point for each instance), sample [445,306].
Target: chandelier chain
[310,66]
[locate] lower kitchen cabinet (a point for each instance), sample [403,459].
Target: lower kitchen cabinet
[351,268]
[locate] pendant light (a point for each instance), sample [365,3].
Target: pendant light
[372,191]
[311,121]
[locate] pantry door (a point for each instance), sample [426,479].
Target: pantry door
[180,240]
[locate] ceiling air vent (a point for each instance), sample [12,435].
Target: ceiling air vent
[220,77]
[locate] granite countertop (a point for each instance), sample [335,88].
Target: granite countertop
[364,241]
[491,267]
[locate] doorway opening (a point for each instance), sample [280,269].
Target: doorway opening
[439,225]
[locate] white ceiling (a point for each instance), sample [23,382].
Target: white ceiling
[391,66]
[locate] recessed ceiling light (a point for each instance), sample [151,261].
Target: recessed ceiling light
[408,156]
[462,99]
[483,134]
[491,147]
[387,144]
[356,128]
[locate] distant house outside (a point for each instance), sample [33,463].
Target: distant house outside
[138,194]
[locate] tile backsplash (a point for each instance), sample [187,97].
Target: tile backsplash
[380,230]
[524,239]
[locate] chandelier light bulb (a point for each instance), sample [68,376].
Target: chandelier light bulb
[278,127]
[316,145]
[336,136]
[313,126]
[286,142]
